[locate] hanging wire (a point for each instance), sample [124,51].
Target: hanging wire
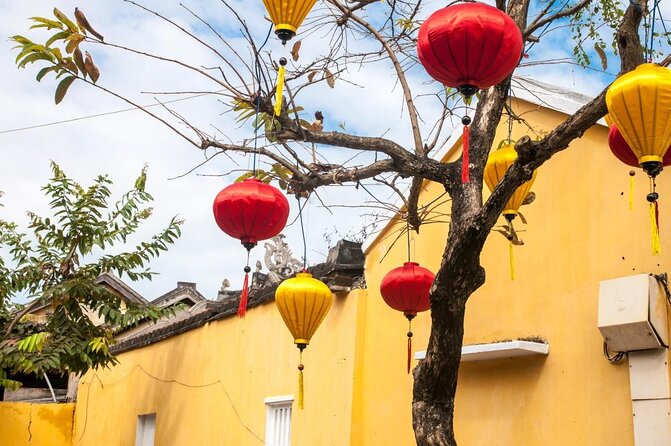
[305,246]
[407,230]
[652,28]
[257,100]
[510,113]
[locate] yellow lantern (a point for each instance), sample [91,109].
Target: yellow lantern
[498,163]
[303,302]
[639,104]
[287,15]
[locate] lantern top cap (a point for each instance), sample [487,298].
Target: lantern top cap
[303,275]
[411,264]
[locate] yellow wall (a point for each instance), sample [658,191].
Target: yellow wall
[23,424]
[207,386]
[580,232]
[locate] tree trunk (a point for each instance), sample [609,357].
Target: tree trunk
[436,376]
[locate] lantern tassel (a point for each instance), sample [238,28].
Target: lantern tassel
[409,359]
[465,175]
[301,397]
[512,260]
[279,90]
[409,352]
[654,226]
[631,192]
[242,308]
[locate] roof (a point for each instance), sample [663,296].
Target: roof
[184,292]
[341,272]
[116,284]
[525,88]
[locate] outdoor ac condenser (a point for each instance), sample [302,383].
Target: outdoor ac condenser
[632,313]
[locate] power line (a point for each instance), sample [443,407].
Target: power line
[81,118]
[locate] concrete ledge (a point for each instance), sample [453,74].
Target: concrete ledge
[497,350]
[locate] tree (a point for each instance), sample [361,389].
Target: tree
[58,264]
[390,35]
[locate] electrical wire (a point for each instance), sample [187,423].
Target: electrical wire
[81,118]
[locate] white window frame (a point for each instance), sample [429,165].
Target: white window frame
[145,433]
[278,420]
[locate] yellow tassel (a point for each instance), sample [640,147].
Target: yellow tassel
[656,245]
[300,388]
[512,260]
[278,90]
[631,192]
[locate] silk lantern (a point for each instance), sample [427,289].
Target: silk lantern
[303,302]
[498,163]
[407,289]
[638,104]
[250,211]
[287,17]
[469,46]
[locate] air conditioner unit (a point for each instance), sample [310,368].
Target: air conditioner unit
[633,313]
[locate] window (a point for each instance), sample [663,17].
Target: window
[146,428]
[278,420]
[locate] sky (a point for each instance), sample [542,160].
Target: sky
[120,144]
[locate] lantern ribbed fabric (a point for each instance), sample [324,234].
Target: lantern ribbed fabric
[406,288]
[498,163]
[287,15]
[639,103]
[303,302]
[251,211]
[469,44]
[618,145]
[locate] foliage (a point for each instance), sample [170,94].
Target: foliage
[58,265]
[67,61]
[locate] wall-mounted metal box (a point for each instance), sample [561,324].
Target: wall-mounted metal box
[633,313]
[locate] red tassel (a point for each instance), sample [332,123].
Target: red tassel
[242,308]
[409,352]
[465,175]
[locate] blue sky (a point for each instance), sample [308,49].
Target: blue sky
[120,144]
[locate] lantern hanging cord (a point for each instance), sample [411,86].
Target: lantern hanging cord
[257,99]
[510,112]
[305,246]
[652,28]
[407,230]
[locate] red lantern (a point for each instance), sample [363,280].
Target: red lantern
[406,289]
[469,46]
[250,211]
[621,149]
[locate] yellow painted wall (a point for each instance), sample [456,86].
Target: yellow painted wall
[580,232]
[23,424]
[207,386]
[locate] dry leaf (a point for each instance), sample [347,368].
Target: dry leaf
[84,24]
[602,56]
[79,60]
[294,50]
[329,78]
[311,75]
[91,68]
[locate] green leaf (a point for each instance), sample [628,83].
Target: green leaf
[41,22]
[67,22]
[63,88]
[30,58]
[58,36]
